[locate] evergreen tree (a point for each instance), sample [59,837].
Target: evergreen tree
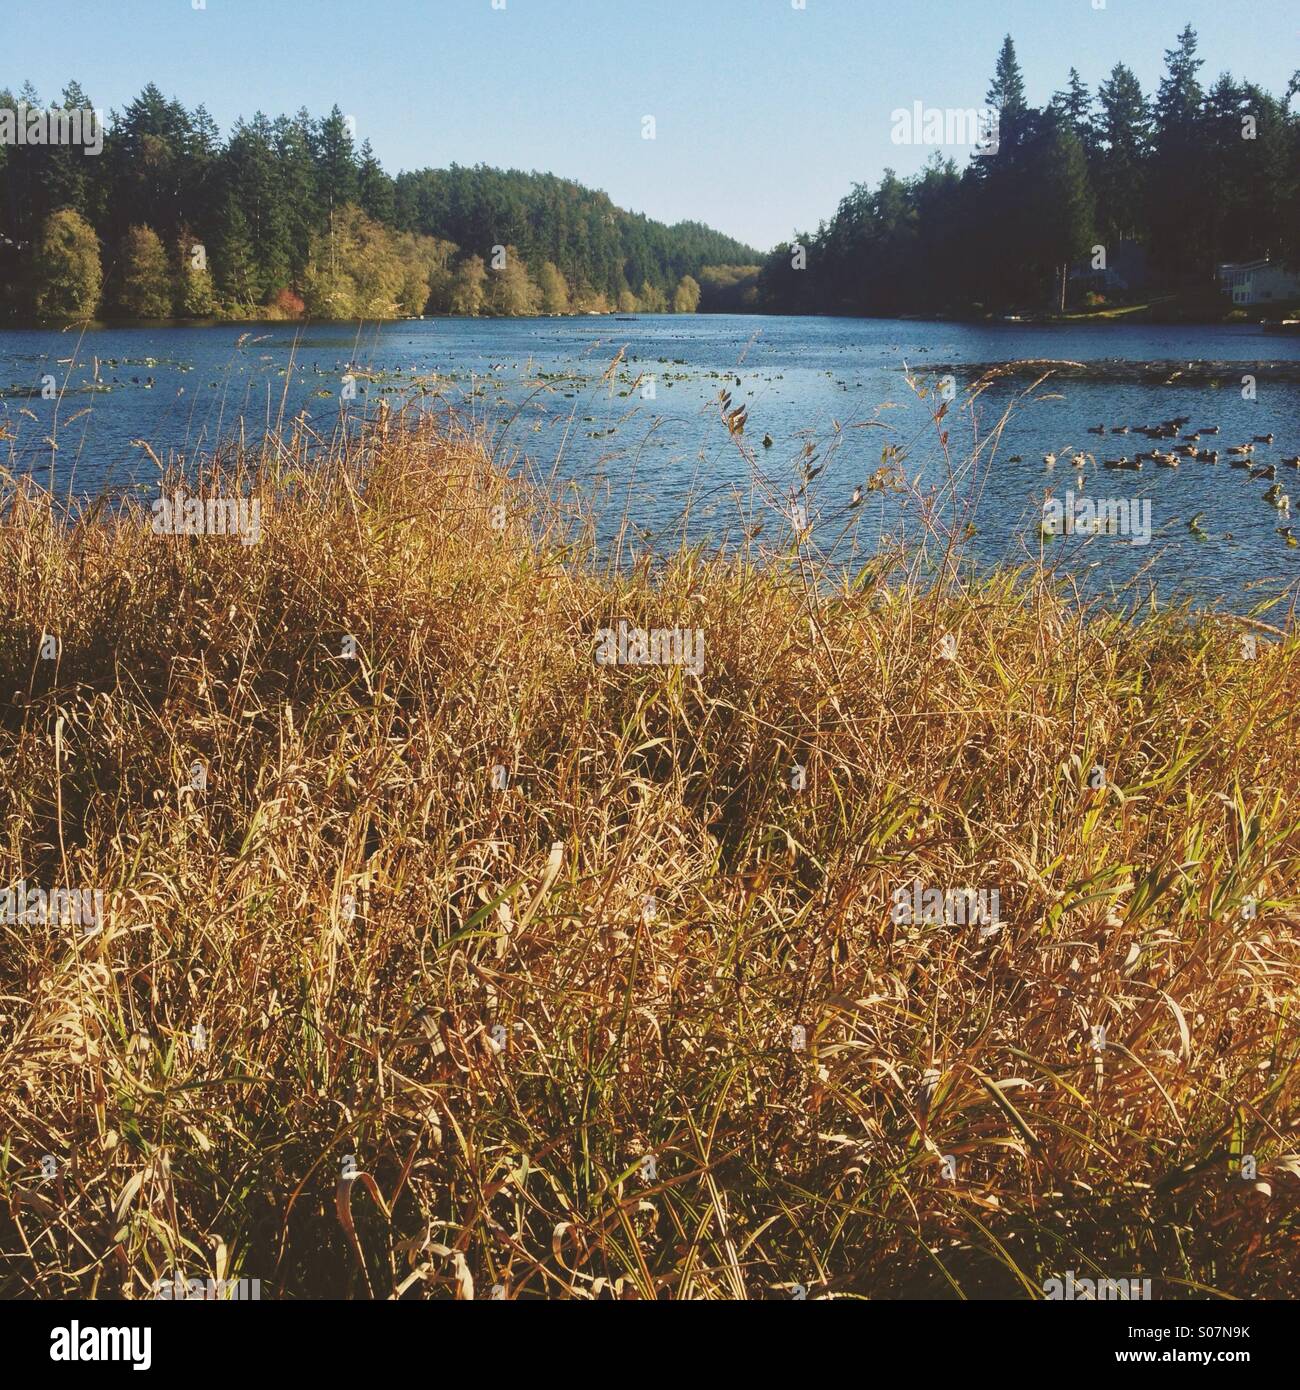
[296,175]
[1006,95]
[237,273]
[375,188]
[1075,107]
[1177,211]
[1125,149]
[336,161]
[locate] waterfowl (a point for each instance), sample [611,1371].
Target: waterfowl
[1292,463]
[1119,429]
[1273,493]
[1263,438]
[1049,460]
[1241,448]
[1286,531]
[767,441]
[1015,458]
[1269,470]
[1096,429]
[1208,456]
[1114,463]
[1194,525]
[1208,429]
[1166,461]
[1187,451]
[1242,461]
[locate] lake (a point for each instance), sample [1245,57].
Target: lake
[829,393]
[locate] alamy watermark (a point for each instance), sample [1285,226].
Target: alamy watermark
[178,1288]
[976,126]
[63,907]
[180,515]
[1098,516]
[635,646]
[33,125]
[951,907]
[1096,1290]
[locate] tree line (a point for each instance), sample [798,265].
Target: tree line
[287,216]
[1195,176]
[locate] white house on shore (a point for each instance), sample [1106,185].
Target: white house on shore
[1259,282]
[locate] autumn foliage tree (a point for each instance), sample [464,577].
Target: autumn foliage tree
[66,275]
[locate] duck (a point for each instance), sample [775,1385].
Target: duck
[1049,460]
[1166,461]
[1273,493]
[1241,448]
[1269,470]
[1208,456]
[1292,463]
[1208,429]
[1263,438]
[1287,532]
[1015,458]
[1241,461]
[1096,429]
[1119,429]
[1113,464]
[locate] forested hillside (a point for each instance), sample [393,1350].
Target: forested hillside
[287,215]
[1192,175]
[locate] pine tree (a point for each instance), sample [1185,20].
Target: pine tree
[336,161]
[1006,95]
[1177,210]
[1125,150]
[1075,106]
[375,188]
[237,273]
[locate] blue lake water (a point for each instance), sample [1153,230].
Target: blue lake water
[830,394]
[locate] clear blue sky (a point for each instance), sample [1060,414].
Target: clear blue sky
[765,114]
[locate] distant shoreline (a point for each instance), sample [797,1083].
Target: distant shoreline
[1139,316]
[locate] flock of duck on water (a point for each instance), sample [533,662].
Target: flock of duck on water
[1186,449]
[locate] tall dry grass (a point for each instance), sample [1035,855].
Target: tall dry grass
[357,918]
